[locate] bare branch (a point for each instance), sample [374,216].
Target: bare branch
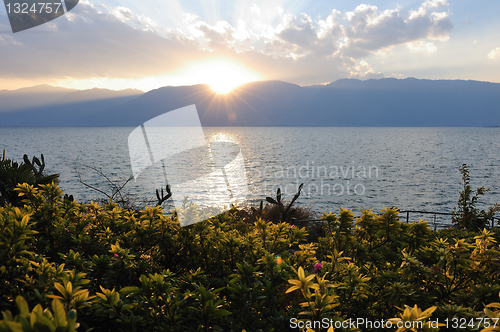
[88,185]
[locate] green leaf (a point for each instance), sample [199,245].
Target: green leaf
[11,326]
[71,317]
[59,313]
[129,290]
[23,306]
[223,312]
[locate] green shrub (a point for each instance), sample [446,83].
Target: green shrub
[13,173]
[123,270]
[39,319]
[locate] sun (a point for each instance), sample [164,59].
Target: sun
[223,76]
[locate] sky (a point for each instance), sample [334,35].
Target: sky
[119,44]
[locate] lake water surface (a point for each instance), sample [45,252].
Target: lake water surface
[411,168]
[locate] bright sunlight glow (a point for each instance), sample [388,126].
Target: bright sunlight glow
[222,76]
[223,137]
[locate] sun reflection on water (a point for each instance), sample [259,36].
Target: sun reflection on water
[223,137]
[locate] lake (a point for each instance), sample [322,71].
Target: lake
[411,168]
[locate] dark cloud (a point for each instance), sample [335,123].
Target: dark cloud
[85,44]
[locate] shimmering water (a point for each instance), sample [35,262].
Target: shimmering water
[411,168]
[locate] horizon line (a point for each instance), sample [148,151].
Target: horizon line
[275,80]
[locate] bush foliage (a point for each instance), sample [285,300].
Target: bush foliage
[105,268]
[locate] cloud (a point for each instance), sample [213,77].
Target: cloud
[370,29]
[365,30]
[363,70]
[218,36]
[435,4]
[123,13]
[101,41]
[91,44]
[495,53]
[422,46]
[304,37]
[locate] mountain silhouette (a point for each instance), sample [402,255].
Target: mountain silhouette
[346,102]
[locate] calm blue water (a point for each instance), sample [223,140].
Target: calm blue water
[411,168]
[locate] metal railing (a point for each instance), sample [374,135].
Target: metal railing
[420,212]
[426,212]
[435,216]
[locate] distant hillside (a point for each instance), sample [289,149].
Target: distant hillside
[47,106]
[346,102]
[35,96]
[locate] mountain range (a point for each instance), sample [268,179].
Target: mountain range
[346,102]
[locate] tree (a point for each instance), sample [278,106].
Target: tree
[466,214]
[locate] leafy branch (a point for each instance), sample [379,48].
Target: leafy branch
[284,210]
